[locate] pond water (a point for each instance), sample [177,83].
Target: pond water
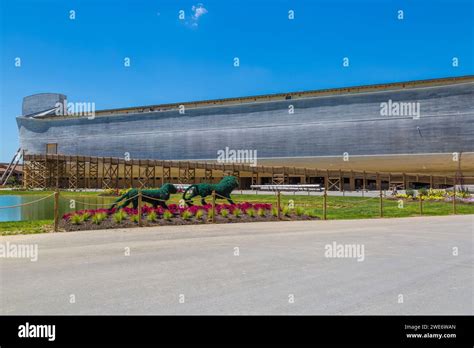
[45,208]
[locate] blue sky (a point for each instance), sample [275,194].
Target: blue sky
[175,60]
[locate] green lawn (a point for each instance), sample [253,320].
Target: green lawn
[359,207]
[25,227]
[337,208]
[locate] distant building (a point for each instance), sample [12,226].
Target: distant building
[16,175]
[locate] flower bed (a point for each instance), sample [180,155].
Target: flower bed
[435,195]
[113,192]
[175,215]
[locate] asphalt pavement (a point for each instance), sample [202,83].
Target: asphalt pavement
[420,265]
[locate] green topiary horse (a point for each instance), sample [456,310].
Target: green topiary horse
[163,194]
[223,189]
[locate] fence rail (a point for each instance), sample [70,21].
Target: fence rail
[291,188]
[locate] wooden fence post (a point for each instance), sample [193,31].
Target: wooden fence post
[279,205]
[213,220]
[56,210]
[421,204]
[381,203]
[454,199]
[325,207]
[140,223]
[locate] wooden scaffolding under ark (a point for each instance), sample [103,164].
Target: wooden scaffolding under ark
[81,172]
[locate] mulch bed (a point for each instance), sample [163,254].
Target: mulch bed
[109,223]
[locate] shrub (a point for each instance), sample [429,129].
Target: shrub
[237,212]
[167,215]
[186,215]
[109,192]
[311,213]
[224,212]
[299,211]
[152,216]
[463,193]
[436,194]
[261,212]
[251,212]
[423,191]
[199,214]
[76,219]
[410,193]
[286,211]
[98,218]
[119,216]
[275,212]
[134,218]
[86,216]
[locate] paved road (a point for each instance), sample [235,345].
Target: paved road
[412,257]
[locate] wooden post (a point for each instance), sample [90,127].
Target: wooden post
[325,207]
[341,181]
[56,210]
[57,172]
[326,181]
[381,203]
[364,183]
[213,219]
[454,199]
[421,204]
[352,181]
[279,205]
[140,223]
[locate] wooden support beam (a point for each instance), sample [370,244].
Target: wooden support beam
[341,181]
[52,170]
[364,181]
[128,174]
[93,180]
[208,175]
[166,175]
[326,181]
[352,181]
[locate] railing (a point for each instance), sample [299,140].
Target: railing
[11,167]
[291,188]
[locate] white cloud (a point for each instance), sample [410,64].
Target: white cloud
[198,11]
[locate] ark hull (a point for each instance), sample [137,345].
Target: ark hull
[319,127]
